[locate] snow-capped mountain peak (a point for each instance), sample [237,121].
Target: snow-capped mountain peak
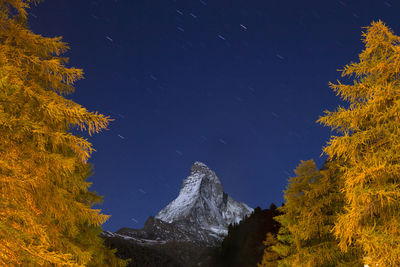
[200,214]
[202,203]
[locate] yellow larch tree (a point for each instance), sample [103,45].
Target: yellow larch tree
[313,200]
[368,140]
[291,235]
[46,217]
[270,257]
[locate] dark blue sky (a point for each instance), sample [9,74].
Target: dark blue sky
[237,85]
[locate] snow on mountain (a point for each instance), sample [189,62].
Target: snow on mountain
[202,204]
[200,214]
[186,199]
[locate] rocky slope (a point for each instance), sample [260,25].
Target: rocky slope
[203,204]
[201,213]
[199,216]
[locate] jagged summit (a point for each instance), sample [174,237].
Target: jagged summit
[203,204]
[200,214]
[200,167]
[204,172]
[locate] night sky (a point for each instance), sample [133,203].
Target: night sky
[237,85]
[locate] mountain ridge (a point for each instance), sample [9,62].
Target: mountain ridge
[188,228]
[203,202]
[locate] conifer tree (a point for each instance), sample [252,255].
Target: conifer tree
[270,257]
[313,200]
[369,141]
[289,235]
[46,217]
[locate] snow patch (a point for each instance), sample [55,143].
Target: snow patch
[179,207]
[202,204]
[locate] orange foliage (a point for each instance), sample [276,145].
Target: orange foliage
[45,205]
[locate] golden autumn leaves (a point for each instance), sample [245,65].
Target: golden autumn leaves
[46,217]
[348,213]
[370,148]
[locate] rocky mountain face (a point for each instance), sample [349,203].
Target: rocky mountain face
[202,207]
[200,215]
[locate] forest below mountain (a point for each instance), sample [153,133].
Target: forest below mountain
[242,247]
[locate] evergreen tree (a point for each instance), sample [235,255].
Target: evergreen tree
[270,257]
[313,200]
[46,217]
[369,141]
[243,246]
